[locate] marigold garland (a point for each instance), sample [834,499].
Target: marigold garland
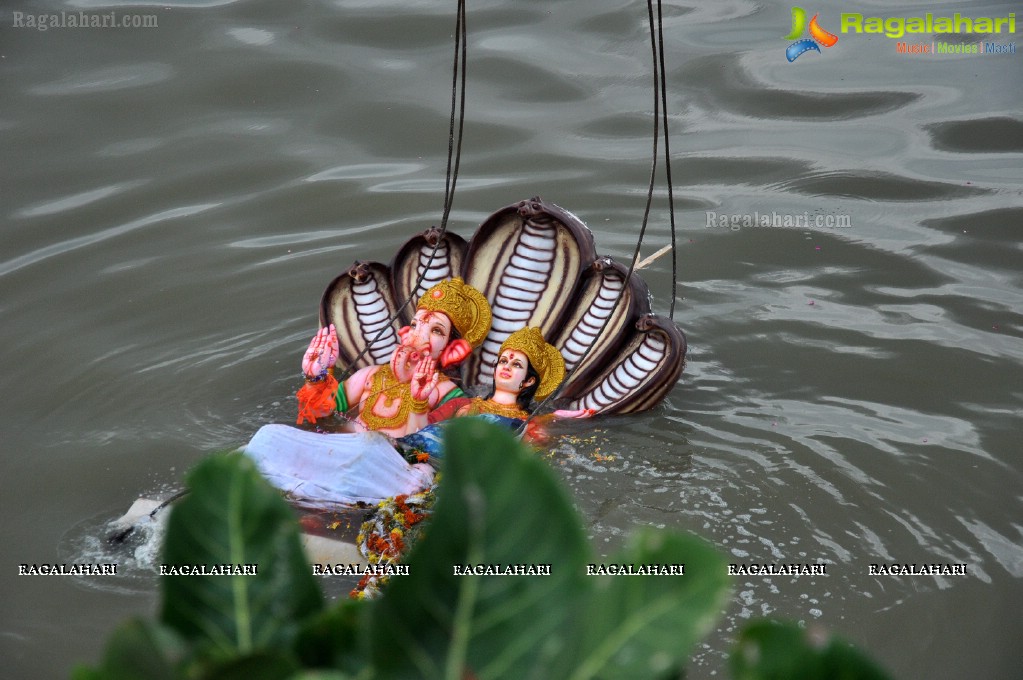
[386,537]
[316,399]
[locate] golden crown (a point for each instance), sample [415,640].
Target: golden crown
[543,357]
[468,310]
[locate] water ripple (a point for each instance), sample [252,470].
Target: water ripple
[365,171]
[108,79]
[721,82]
[78,200]
[1007,551]
[876,186]
[980,135]
[69,245]
[251,36]
[184,4]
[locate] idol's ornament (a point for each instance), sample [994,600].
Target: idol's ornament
[543,357]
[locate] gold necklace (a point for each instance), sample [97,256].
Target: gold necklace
[385,384]
[488,406]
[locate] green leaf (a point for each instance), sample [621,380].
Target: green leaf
[644,626]
[139,649]
[234,517]
[333,639]
[497,505]
[769,650]
[258,666]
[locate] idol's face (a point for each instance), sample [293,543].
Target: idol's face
[510,372]
[429,333]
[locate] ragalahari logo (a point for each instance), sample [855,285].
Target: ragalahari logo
[818,36]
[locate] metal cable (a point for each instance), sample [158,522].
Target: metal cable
[667,162]
[451,176]
[642,231]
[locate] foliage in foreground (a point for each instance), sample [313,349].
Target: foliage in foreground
[498,505]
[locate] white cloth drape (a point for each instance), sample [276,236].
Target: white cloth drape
[333,470]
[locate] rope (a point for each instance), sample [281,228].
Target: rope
[667,160]
[658,69]
[660,116]
[457,69]
[451,175]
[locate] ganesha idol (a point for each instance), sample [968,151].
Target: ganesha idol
[450,320]
[531,264]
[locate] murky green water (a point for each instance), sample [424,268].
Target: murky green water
[176,198]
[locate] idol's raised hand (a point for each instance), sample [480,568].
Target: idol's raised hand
[322,353]
[425,379]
